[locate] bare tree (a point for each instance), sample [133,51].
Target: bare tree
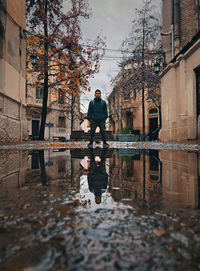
[142,49]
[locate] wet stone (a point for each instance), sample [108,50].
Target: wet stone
[36,258]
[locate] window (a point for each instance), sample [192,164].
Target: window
[2,40]
[35,160]
[61,166]
[39,91]
[153,111]
[134,94]
[198,90]
[61,97]
[61,122]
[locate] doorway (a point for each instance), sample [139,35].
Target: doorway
[129,120]
[35,129]
[153,128]
[153,124]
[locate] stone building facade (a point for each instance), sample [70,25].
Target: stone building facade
[125,107]
[180,86]
[58,121]
[13,125]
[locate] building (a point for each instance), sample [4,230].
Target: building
[180,86]
[58,121]
[125,105]
[13,125]
[63,106]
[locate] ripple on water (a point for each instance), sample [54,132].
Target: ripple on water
[36,258]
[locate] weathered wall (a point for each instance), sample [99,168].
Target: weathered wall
[13,125]
[179,120]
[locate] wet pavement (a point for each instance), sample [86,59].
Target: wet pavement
[115,209]
[187,145]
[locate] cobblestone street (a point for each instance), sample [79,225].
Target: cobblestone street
[113,144]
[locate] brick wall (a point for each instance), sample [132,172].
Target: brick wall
[186,24]
[189,21]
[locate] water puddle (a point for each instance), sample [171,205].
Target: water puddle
[115,209]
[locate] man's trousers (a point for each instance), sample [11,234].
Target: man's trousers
[93,125]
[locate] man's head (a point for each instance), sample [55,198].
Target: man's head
[98,94]
[98,199]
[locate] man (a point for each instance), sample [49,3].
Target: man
[97,115]
[97,176]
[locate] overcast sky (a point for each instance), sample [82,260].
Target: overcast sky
[112,19]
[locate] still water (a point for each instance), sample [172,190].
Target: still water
[99,210]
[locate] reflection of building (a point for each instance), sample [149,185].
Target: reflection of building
[12,71]
[125,106]
[12,169]
[58,168]
[180,88]
[135,176]
[170,178]
[181,179]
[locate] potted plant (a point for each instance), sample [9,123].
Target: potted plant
[126,135]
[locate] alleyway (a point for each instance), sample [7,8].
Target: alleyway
[130,207]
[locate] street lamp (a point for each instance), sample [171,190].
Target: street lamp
[156,67]
[50,125]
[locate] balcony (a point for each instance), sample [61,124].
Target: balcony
[130,103]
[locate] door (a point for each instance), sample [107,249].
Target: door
[153,128]
[129,120]
[35,129]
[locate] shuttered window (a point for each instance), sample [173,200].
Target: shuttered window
[198,90]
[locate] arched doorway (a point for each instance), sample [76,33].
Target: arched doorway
[153,124]
[129,120]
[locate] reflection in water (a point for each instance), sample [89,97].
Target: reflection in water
[42,167]
[168,179]
[180,178]
[48,214]
[97,176]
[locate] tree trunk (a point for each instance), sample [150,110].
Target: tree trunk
[46,79]
[72,112]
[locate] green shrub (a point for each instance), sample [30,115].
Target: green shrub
[126,131]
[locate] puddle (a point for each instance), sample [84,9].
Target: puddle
[103,209]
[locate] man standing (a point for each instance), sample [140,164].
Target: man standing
[97,115]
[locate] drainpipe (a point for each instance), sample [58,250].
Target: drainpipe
[20,84]
[172,27]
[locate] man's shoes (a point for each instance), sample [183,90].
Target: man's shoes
[105,145]
[90,145]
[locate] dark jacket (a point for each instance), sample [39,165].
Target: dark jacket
[97,176]
[97,110]
[98,182]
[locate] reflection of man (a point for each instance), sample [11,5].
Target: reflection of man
[97,177]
